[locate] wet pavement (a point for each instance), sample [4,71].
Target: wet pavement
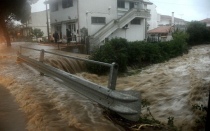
[11,118]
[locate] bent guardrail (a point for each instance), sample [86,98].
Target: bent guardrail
[126,103]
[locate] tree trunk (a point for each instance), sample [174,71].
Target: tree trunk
[5,32]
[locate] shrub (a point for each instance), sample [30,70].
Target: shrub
[103,55]
[198,32]
[115,50]
[152,53]
[137,53]
[180,43]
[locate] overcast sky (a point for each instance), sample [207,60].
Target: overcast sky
[185,9]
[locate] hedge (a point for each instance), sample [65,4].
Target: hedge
[137,53]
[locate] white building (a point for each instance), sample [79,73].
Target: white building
[37,20]
[207,21]
[166,20]
[155,17]
[104,19]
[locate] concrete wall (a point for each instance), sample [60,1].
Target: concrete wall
[132,33]
[96,8]
[64,14]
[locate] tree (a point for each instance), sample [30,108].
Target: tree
[37,32]
[13,10]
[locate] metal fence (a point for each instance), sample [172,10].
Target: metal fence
[126,103]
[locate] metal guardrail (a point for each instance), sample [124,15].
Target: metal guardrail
[126,103]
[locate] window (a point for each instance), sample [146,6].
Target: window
[54,6]
[136,21]
[131,5]
[67,3]
[120,4]
[98,20]
[72,27]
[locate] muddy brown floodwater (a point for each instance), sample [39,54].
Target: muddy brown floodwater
[171,88]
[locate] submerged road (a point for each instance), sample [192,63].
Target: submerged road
[11,118]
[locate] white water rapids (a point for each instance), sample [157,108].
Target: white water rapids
[171,88]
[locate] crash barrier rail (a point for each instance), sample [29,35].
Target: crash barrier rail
[125,103]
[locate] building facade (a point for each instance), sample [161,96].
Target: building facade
[103,19]
[155,17]
[177,23]
[207,21]
[37,20]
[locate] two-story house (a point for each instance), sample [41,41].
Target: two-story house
[103,19]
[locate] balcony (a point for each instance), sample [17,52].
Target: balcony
[144,13]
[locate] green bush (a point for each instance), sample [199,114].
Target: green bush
[137,53]
[115,50]
[103,55]
[198,33]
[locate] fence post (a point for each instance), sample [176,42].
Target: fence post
[41,59]
[207,128]
[113,76]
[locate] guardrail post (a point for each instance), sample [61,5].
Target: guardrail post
[41,59]
[20,51]
[113,76]
[207,128]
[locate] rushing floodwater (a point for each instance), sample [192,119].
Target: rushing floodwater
[171,88]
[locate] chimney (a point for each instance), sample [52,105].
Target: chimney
[172,19]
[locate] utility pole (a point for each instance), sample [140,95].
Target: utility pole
[48,32]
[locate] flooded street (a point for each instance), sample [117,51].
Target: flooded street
[47,104]
[171,88]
